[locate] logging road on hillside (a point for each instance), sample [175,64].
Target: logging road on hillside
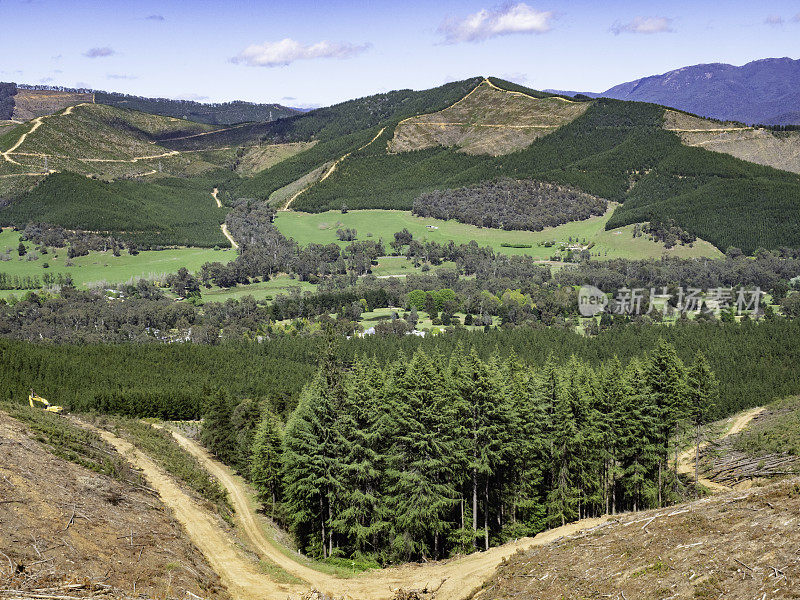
[686,460]
[329,171]
[456,579]
[224,226]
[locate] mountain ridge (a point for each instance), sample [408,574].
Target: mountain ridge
[764,91]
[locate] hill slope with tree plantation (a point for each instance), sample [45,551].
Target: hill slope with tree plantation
[618,151]
[174,211]
[761,145]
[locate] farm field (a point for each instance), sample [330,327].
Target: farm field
[104,266]
[321,228]
[265,290]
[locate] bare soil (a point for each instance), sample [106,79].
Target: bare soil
[736,545]
[67,531]
[762,146]
[29,104]
[488,120]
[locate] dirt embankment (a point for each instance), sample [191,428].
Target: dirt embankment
[780,149]
[737,545]
[61,524]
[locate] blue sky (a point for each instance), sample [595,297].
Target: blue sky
[305,53]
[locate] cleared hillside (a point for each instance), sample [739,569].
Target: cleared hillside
[103,141]
[71,531]
[29,104]
[779,149]
[489,120]
[739,545]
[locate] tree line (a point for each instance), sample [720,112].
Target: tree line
[431,454]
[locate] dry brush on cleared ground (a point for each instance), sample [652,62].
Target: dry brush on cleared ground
[68,532]
[741,544]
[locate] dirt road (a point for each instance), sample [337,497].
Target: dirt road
[455,579]
[686,460]
[239,574]
[329,171]
[224,226]
[37,122]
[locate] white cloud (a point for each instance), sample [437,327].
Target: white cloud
[503,20]
[286,51]
[774,20]
[120,76]
[647,25]
[796,18]
[99,52]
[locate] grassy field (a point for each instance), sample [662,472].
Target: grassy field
[104,266]
[264,290]
[619,243]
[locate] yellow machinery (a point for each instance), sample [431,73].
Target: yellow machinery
[47,406]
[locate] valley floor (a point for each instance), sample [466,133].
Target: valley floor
[320,228]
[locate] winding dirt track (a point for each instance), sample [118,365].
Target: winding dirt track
[329,171]
[686,458]
[224,226]
[456,579]
[240,575]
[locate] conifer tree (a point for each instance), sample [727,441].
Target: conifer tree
[265,460]
[612,403]
[527,456]
[702,391]
[421,489]
[309,468]
[217,432]
[360,519]
[639,439]
[666,379]
[479,386]
[564,497]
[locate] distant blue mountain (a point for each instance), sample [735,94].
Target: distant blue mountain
[764,91]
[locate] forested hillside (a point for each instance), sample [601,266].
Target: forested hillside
[436,455]
[170,212]
[613,150]
[213,113]
[616,150]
